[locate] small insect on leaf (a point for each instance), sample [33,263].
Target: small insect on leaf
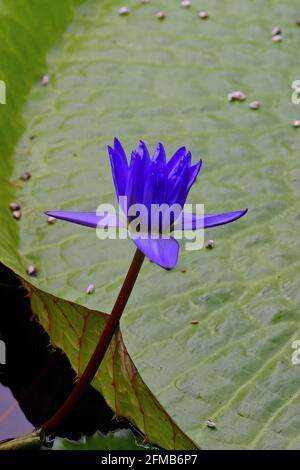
[17,214]
[44,80]
[254,105]
[236,96]
[160,15]
[123,11]
[276,30]
[31,270]
[185,3]
[15,206]
[211,424]
[210,244]
[90,289]
[296,123]
[25,176]
[51,220]
[203,15]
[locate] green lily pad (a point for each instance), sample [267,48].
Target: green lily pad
[126,392]
[76,329]
[138,77]
[122,439]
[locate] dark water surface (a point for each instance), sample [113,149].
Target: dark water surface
[13,422]
[37,378]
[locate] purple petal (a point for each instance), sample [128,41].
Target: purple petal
[177,185]
[149,190]
[193,173]
[163,251]
[188,158]
[119,169]
[159,155]
[198,221]
[161,188]
[120,151]
[135,189]
[144,152]
[175,159]
[88,219]
[189,175]
[135,181]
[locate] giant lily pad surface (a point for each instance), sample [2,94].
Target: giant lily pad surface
[135,76]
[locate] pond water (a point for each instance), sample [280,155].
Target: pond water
[37,378]
[13,422]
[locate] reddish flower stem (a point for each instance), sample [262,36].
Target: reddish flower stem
[101,348]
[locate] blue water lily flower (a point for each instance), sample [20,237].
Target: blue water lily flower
[152,182]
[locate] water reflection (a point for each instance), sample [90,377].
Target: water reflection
[13,422]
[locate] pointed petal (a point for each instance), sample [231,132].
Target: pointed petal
[198,221]
[119,149]
[88,219]
[163,251]
[175,159]
[193,173]
[159,155]
[149,190]
[189,176]
[119,169]
[177,186]
[135,180]
[144,151]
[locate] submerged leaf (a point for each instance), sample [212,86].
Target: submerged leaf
[32,441]
[122,439]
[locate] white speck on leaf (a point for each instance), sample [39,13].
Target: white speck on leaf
[276,30]
[185,3]
[160,15]
[31,270]
[203,15]
[25,176]
[44,80]
[14,206]
[210,423]
[236,96]
[51,220]
[90,289]
[210,244]
[123,11]
[254,105]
